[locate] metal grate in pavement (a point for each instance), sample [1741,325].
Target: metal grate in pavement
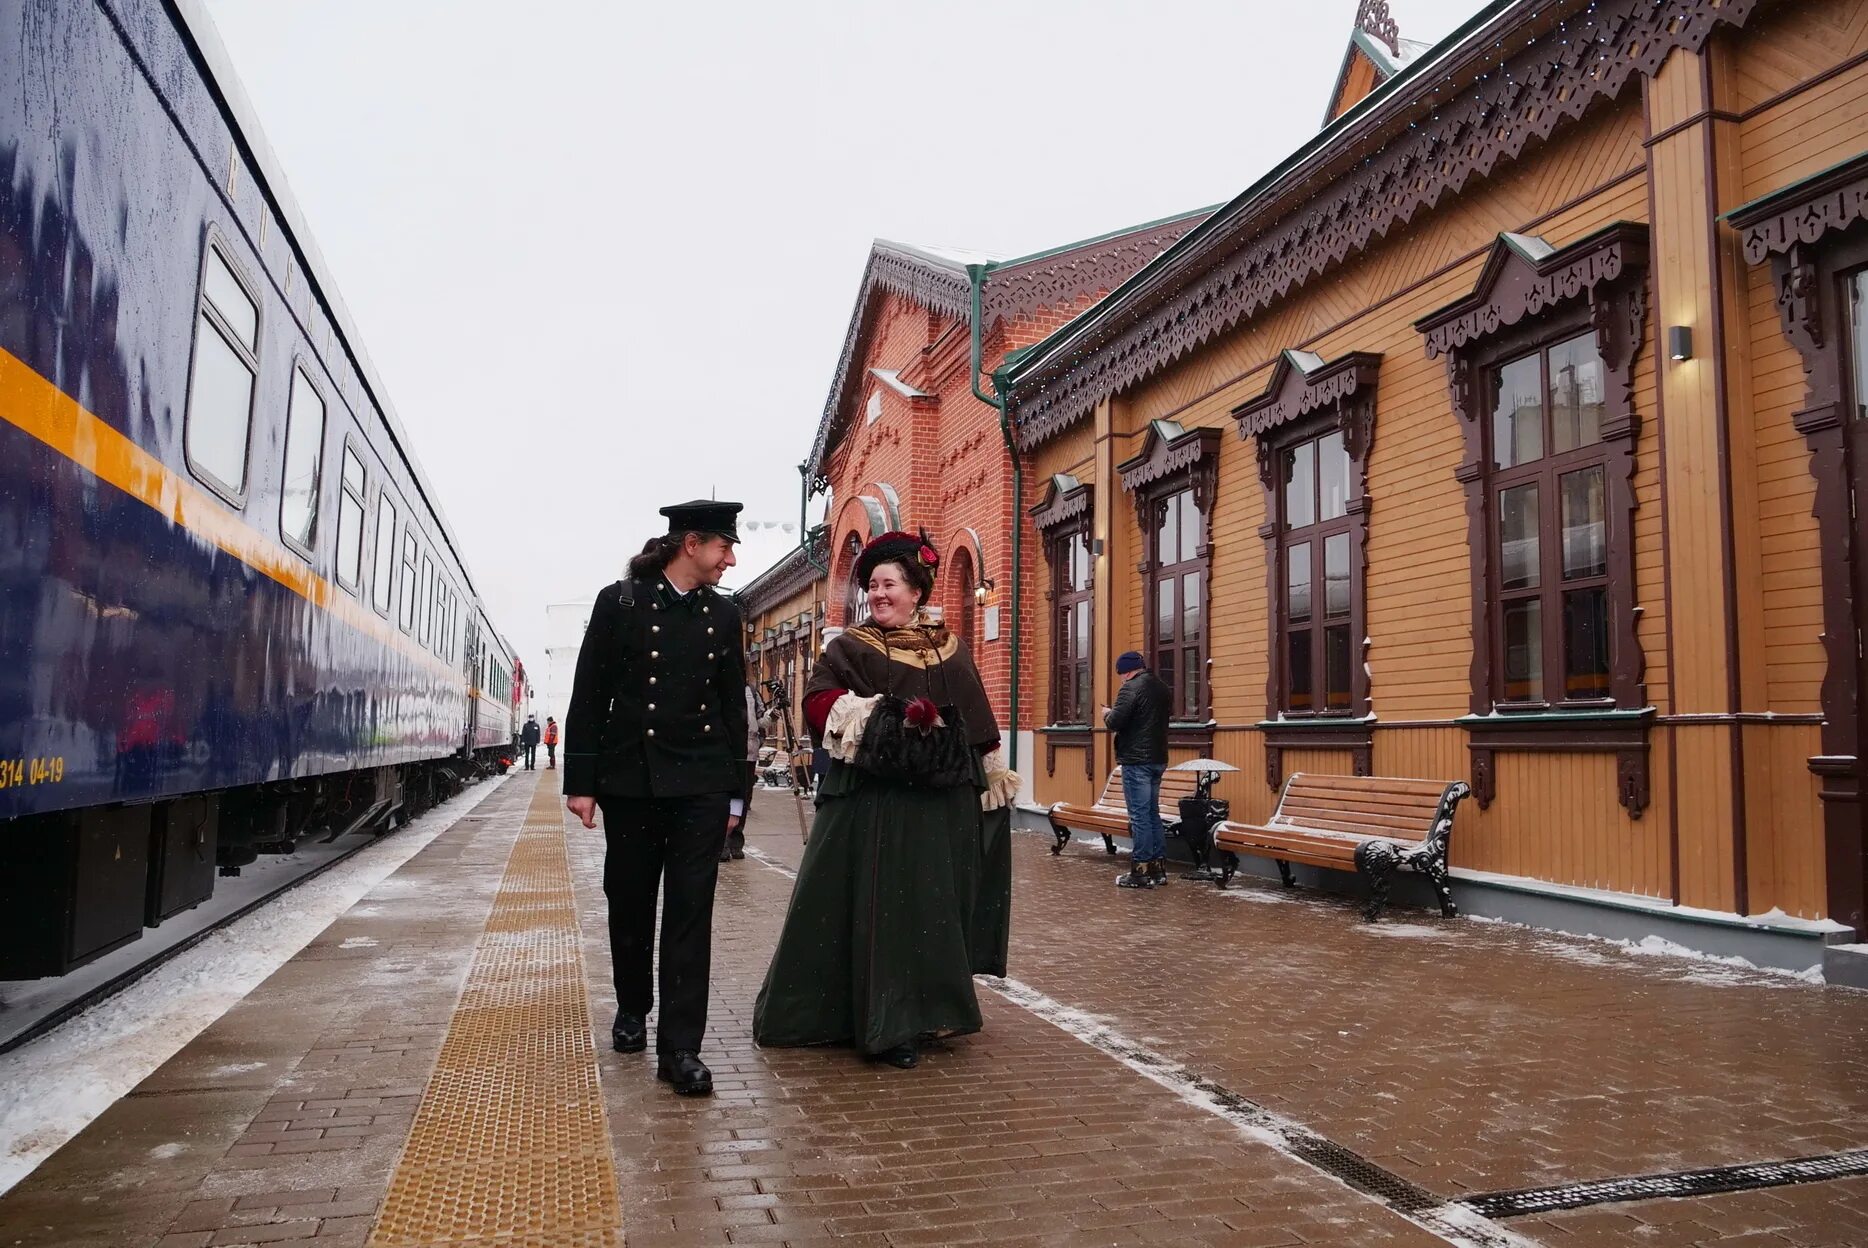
[1712,1181]
[510,1145]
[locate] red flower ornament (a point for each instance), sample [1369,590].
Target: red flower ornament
[923,715]
[928,557]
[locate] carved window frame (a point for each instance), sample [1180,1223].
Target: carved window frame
[1061,518]
[1173,459]
[1307,398]
[1814,235]
[1528,295]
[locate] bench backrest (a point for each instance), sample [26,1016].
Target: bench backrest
[1384,806]
[1174,786]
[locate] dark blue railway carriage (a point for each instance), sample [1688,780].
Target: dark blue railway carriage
[232,614]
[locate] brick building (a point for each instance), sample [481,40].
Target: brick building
[905,443]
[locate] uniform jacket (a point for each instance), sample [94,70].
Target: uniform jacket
[658,705]
[528,735]
[1140,720]
[551,733]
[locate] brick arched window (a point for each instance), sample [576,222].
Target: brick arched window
[960,582]
[854,605]
[1540,362]
[1313,427]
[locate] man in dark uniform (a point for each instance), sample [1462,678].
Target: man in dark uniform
[655,735]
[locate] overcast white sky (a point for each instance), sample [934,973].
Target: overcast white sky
[603,254]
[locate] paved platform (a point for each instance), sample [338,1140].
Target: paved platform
[1179,1066]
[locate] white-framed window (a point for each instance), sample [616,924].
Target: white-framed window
[350,523]
[304,465]
[222,377]
[384,569]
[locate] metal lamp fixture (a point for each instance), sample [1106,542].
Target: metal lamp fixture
[983,590]
[1680,342]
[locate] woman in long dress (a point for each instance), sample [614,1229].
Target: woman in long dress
[904,887]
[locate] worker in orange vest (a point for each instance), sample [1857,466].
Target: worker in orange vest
[551,743]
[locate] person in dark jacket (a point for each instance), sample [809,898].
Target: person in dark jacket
[528,737]
[655,735]
[1140,721]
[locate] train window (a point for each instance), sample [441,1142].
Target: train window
[350,523]
[428,600]
[304,464]
[385,564]
[408,581]
[221,383]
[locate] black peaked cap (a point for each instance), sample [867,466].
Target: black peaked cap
[704,515]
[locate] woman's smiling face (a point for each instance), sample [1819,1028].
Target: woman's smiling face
[892,599]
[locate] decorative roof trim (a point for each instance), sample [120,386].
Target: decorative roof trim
[1805,211]
[1396,155]
[892,378]
[1523,276]
[1301,383]
[1167,449]
[1065,498]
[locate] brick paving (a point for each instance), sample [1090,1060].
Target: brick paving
[1461,1057]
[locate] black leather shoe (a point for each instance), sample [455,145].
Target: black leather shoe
[685,1070]
[738,854]
[629,1034]
[902,1057]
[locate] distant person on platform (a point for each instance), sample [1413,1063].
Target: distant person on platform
[551,744]
[528,737]
[655,736]
[1140,721]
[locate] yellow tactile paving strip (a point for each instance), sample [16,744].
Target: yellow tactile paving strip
[510,1146]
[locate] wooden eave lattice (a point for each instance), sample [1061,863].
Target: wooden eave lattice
[1467,118]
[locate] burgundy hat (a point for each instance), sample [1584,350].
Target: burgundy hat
[908,549]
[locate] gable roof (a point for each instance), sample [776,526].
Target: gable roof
[939,279]
[1511,76]
[1376,53]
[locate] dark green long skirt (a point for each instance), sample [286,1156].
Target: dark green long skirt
[880,942]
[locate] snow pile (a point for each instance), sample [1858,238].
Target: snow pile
[52,1087]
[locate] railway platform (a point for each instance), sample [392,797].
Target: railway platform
[1181,1066]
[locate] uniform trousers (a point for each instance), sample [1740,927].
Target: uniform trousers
[673,842]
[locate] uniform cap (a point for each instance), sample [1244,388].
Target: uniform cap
[704,515]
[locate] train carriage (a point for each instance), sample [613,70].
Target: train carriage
[232,613]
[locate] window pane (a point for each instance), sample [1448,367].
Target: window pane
[424,607]
[1081,639]
[1080,561]
[1164,610]
[1189,526]
[385,552]
[408,582]
[1167,538]
[1164,668]
[1190,605]
[1517,537]
[1336,667]
[1577,384]
[1332,477]
[1300,486]
[1336,574]
[1298,653]
[349,538]
[231,300]
[1858,329]
[1585,527]
[1518,413]
[1524,650]
[1586,643]
[1083,691]
[1297,583]
[304,462]
[353,471]
[1190,690]
[219,404]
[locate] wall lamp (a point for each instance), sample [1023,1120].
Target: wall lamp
[1680,342]
[983,590]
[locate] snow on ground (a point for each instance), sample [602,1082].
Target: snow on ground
[52,1087]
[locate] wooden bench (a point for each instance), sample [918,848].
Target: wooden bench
[1373,823]
[1110,813]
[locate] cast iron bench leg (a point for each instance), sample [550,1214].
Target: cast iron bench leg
[1229,864]
[1109,844]
[1062,834]
[1433,866]
[1376,860]
[1284,873]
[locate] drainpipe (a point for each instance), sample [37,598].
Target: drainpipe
[976,275]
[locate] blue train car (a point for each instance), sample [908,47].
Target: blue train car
[231,612]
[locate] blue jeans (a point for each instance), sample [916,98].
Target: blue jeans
[1141,792]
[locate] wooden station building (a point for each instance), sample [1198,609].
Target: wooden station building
[1504,432]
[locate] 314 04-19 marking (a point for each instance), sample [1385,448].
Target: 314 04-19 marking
[17,771]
